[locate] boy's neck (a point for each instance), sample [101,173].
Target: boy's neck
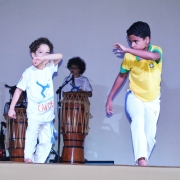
[76,75]
[41,66]
[146,48]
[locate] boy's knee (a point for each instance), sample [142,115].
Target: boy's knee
[137,122]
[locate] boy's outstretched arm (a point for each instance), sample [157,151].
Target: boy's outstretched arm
[11,112]
[117,84]
[54,57]
[137,52]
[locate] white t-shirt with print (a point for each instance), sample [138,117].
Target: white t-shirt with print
[40,92]
[80,83]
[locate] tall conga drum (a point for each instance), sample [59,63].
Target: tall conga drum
[15,135]
[75,114]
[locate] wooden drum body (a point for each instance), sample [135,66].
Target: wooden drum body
[75,114]
[15,135]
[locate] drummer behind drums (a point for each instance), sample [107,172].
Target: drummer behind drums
[75,112]
[79,83]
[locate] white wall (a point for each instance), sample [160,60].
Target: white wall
[88,29]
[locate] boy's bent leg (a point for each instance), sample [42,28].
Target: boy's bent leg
[44,146]
[152,110]
[135,108]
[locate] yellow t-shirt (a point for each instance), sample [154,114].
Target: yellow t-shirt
[145,75]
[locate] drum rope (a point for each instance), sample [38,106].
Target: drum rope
[74,117]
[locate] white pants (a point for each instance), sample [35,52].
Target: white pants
[144,117]
[40,131]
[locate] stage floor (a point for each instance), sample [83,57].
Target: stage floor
[14,170]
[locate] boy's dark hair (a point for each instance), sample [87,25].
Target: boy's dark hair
[78,62]
[140,29]
[35,44]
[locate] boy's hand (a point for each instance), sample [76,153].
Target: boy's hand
[12,113]
[109,107]
[120,47]
[37,60]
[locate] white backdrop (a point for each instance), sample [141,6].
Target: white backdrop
[89,29]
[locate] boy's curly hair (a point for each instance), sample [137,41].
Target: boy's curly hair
[140,29]
[35,44]
[78,62]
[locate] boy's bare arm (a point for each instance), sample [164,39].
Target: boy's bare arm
[117,84]
[54,57]
[141,53]
[11,112]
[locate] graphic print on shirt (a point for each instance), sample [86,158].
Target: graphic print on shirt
[21,79]
[151,65]
[43,88]
[48,102]
[75,88]
[46,105]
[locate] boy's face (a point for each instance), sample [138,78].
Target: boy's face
[41,51]
[138,42]
[74,70]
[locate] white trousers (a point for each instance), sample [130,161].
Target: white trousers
[144,117]
[40,131]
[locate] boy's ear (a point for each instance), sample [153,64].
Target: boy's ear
[33,55]
[147,40]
